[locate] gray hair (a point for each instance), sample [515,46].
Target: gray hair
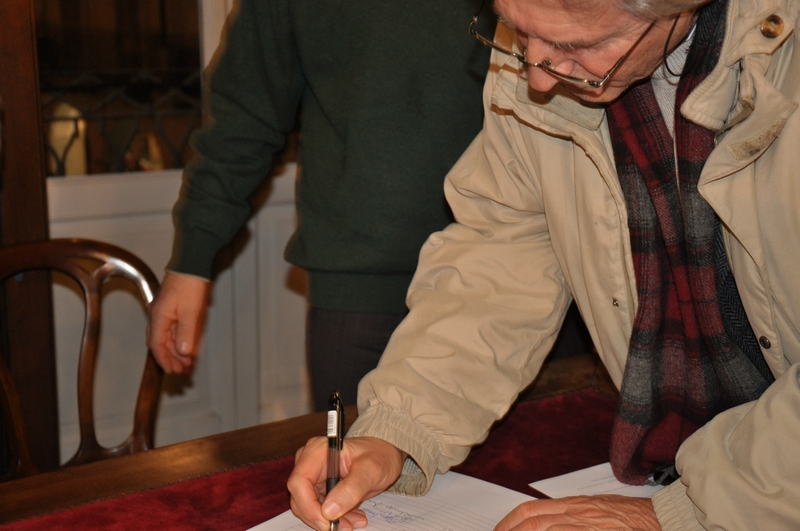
[655,9]
[644,9]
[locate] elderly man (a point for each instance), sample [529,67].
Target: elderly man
[639,157]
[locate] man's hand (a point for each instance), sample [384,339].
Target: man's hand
[176,320]
[583,513]
[367,467]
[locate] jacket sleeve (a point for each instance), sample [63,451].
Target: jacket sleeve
[253,91]
[742,469]
[486,304]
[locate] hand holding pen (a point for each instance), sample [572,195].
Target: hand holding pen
[372,466]
[335,444]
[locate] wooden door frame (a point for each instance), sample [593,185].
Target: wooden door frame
[26,322]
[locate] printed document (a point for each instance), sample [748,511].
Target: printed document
[590,481]
[455,503]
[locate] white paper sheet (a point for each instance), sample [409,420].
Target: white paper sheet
[590,481]
[454,503]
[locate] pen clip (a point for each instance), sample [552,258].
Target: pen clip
[335,421]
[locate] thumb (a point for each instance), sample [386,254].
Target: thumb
[349,492]
[186,335]
[343,498]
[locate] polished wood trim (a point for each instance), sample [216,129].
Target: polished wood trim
[69,487]
[26,332]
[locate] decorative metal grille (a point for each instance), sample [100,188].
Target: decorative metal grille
[108,122]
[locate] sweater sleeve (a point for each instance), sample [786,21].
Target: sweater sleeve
[741,470]
[254,87]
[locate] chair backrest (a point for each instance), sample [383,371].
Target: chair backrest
[90,263]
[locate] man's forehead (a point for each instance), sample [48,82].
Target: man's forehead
[579,22]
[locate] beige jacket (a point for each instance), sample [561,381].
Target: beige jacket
[541,220]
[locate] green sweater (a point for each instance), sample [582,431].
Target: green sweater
[390,93]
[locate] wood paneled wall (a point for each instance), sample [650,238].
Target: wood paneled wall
[26,329]
[104,35]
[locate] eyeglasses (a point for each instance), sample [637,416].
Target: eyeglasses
[546,64]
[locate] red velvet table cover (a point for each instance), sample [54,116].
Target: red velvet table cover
[537,440]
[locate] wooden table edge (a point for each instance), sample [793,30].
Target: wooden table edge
[79,485]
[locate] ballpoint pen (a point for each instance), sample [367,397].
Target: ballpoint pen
[335,442]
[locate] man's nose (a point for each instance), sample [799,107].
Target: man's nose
[539,79]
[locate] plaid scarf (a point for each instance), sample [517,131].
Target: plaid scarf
[683,368]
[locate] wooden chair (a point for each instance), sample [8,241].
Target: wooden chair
[90,263]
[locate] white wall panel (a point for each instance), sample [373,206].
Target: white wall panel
[282,308]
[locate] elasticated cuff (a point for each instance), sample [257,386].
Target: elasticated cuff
[674,509]
[399,429]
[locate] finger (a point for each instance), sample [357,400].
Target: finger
[348,494]
[513,519]
[178,362]
[162,356]
[357,518]
[305,483]
[312,459]
[186,333]
[159,341]
[556,522]
[529,513]
[181,360]
[311,519]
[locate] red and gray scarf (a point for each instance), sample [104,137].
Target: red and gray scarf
[685,364]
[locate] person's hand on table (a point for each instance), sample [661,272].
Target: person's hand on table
[583,513]
[367,467]
[176,320]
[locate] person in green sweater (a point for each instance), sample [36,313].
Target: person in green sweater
[390,96]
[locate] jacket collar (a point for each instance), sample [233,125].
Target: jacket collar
[749,45]
[561,103]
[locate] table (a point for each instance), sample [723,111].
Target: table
[82,484]
[237,479]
